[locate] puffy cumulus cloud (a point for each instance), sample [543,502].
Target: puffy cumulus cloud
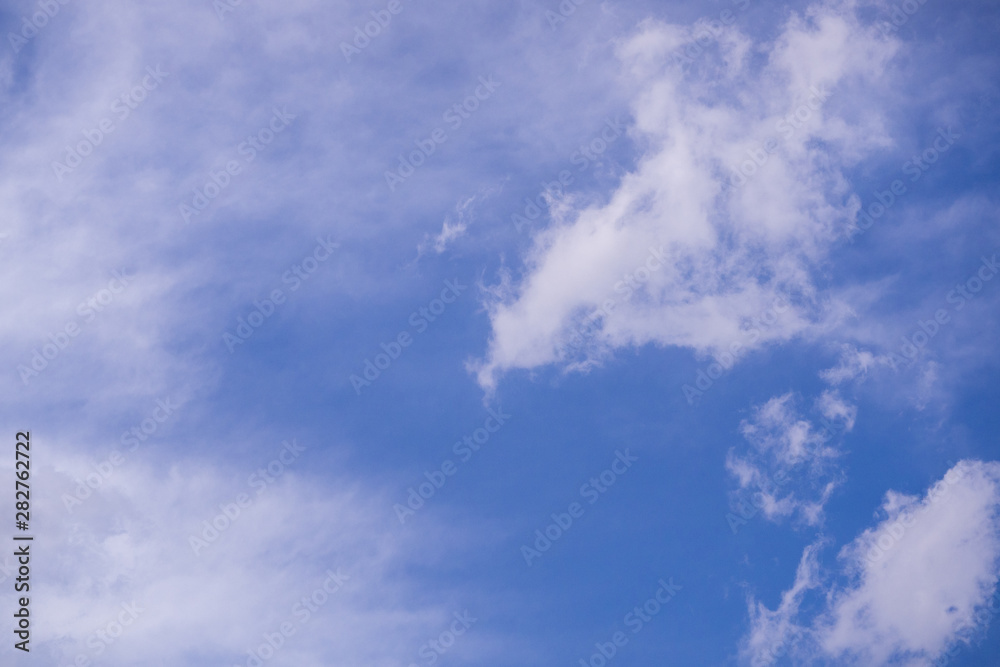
[123,579]
[738,193]
[790,463]
[948,542]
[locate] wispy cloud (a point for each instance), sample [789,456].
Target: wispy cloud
[791,465]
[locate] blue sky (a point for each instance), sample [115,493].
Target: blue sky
[516,333]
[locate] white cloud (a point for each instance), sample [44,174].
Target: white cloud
[456,223]
[130,541]
[450,230]
[725,253]
[834,408]
[853,363]
[774,632]
[914,582]
[790,465]
[118,209]
[777,429]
